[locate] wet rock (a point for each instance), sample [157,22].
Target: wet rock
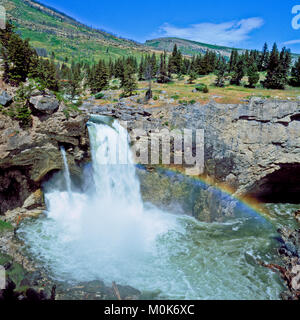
[35,200]
[28,156]
[5,99]
[290,269]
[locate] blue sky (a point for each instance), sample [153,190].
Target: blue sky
[243,24]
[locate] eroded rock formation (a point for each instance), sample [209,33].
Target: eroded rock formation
[28,156]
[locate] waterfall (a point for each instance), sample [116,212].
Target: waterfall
[66,170]
[104,231]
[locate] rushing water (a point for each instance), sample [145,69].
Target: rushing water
[106,232]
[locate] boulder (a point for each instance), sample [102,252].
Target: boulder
[44,104]
[5,98]
[35,200]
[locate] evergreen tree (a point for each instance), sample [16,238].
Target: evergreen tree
[221,72]
[278,68]
[193,77]
[253,75]
[142,69]
[233,60]
[264,59]
[129,83]
[295,79]
[99,77]
[17,56]
[238,71]
[175,61]
[163,75]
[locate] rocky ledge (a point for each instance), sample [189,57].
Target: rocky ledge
[29,156]
[254,148]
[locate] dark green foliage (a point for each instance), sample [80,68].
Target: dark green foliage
[128,83]
[264,59]
[253,76]
[204,65]
[278,69]
[295,79]
[98,78]
[221,72]
[233,60]
[201,87]
[238,70]
[21,110]
[193,77]
[99,95]
[17,55]
[163,73]
[45,74]
[175,61]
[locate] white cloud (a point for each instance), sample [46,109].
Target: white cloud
[291,42]
[227,33]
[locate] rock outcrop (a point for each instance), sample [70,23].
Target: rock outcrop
[27,157]
[254,148]
[44,104]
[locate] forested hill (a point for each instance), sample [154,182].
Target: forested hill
[188,47]
[50,30]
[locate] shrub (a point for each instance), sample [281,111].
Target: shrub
[201,87]
[99,95]
[175,97]
[206,90]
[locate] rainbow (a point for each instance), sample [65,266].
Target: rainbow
[250,202]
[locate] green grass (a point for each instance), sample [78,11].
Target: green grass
[5,226]
[78,42]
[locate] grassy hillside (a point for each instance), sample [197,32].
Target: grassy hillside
[55,31]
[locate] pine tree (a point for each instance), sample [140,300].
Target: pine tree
[163,75]
[238,71]
[233,60]
[278,69]
[99,77]
[129,83]
[193,77]
[295,76]
[154,65]
[253,75]
[142,69]
[175,61]
[17,55]
[264,59]
[221,72]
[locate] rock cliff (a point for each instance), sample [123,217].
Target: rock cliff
[28,156]
[254,148]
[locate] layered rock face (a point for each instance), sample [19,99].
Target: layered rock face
[28,156]
[254,148]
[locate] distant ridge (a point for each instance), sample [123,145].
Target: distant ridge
[188,47]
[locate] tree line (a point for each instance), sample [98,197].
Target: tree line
[21,61]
